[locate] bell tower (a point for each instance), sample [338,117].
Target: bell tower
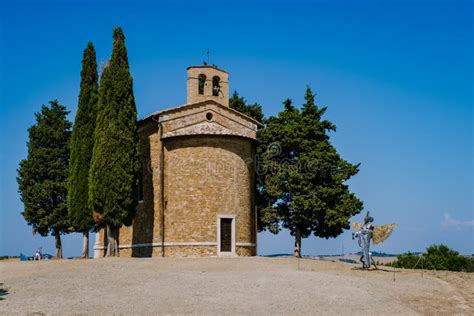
[207,83]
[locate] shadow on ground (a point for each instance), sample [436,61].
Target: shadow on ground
[373,269]
[3,292]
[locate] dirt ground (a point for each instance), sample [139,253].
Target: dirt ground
[227,286]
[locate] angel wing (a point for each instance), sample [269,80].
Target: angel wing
[382,232]
[356,225]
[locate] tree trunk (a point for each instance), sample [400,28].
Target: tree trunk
[85,244]
[297,250]
[98,253]
[59,247]
[112,244]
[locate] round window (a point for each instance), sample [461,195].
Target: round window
[209,116]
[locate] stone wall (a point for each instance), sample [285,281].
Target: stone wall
[246,251]
[190,251]
[146,226]
[204,176]
[193,95]
[192,115]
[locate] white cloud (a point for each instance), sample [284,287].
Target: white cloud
[448,221]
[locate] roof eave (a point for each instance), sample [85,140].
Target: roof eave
[179,107]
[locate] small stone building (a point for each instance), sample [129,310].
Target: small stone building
[197,197]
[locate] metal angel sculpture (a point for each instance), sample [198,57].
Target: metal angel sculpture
[366,232]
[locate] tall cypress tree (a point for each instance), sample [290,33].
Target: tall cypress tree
[42,176]
[305,176]
[115,167]
[82,144]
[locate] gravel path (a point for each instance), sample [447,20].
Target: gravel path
[224,286]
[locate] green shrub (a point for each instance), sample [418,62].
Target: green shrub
[470,264]
[443,258]
[435,258]
[408,261]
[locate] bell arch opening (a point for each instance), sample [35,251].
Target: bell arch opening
[201,83]
[216,87]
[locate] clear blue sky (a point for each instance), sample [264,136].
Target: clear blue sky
[397,78]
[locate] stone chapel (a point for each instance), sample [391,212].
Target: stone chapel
[198,192]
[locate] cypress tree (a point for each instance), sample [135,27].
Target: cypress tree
[305,176]
[82,144]
[115,167]
[240,104]
[42,176]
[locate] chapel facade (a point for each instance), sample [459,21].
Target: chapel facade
[198,192]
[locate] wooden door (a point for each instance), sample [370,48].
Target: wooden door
[226,234]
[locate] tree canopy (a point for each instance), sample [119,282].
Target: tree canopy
[115,166]
[302,176]
[82,143]
[240,104]
[42,176]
